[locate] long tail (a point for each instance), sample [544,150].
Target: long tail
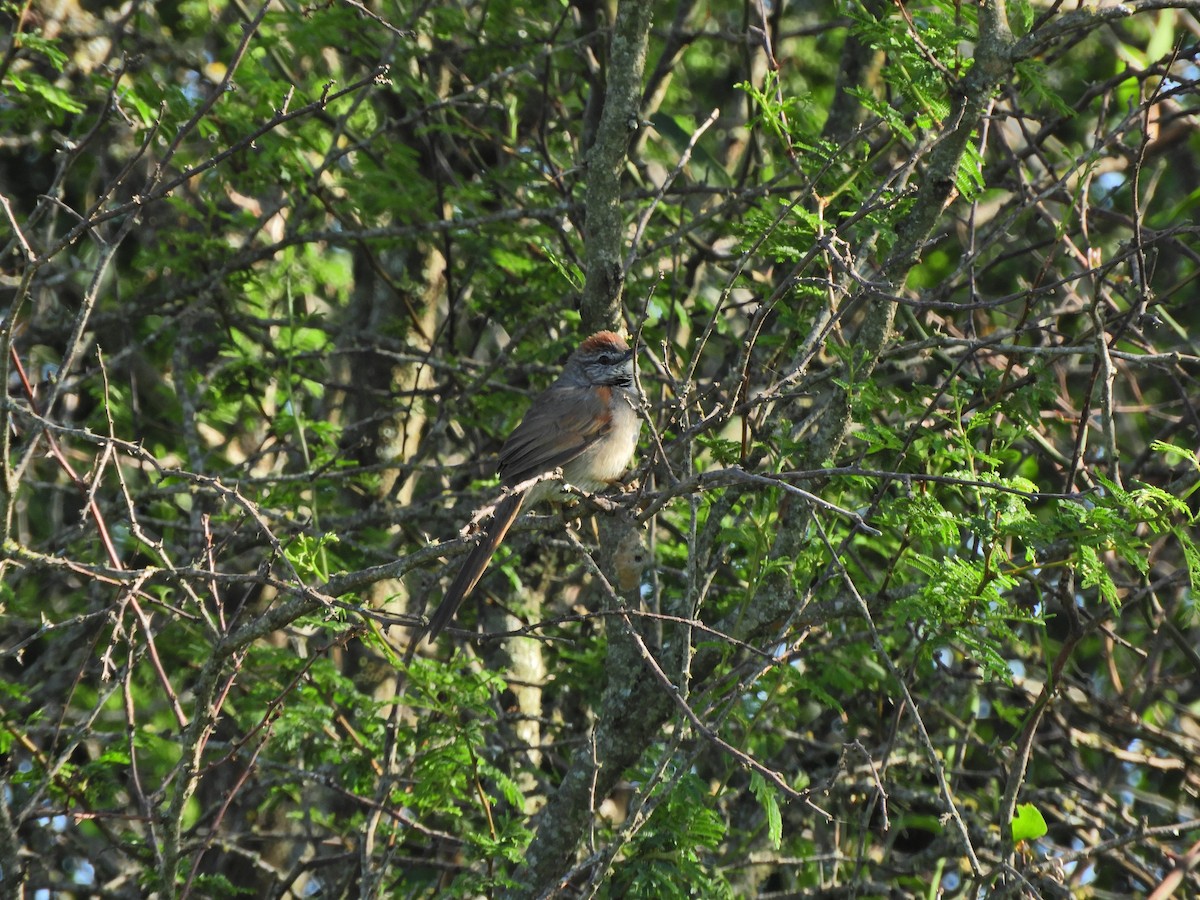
[476,563]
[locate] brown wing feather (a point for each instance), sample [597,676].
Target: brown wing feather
[560,425]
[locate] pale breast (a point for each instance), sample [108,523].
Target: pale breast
[606,460]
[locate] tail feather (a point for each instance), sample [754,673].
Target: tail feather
[476,563]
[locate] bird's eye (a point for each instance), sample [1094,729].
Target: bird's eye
[608,359]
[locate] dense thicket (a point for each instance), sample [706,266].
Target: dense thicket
[901,598]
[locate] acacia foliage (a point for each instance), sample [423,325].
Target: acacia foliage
[910,282]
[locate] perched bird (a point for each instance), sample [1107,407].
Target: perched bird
[586,423]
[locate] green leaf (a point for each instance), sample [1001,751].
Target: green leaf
[40,87]
[1191,555]
[146,113]
[514,263]
[1028,824]
[50,49]
[765,794]
[1095,574]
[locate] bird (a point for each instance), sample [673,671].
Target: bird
[586,422]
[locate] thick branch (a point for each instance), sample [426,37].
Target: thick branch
[625,729]
[635,704]
[605,236]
